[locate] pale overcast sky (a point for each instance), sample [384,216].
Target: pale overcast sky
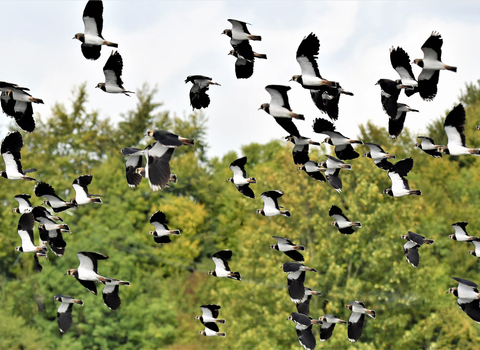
[162,42]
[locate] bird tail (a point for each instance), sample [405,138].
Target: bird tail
[428,241]
[310,269]
[356,141]
[109,43]
[452,68]
[371,313]
[220,321]
[390,156]
[64,227]
[189,142]
[221,334]
[235,276]
[357,223]
[42,251]
[346,166]
[104,279]
[124,283]
[346,92]
[36,100]
[297,116]
[255,37]
[96,200]
[298,247]
[77,301]
[415,192]
[260,55]
[285,212]
[175,232]
[173,178]
[252,180]
[28,178]
[475,151]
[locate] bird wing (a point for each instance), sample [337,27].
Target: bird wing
[220,264]
[113,69]
[239,26]
[89,260]
[238,167]
[403,166]
[307,55]
[346,152]
[92,18]
[158,165]
[64,316]
[427,83]
[321,125]
[306,338]
[25,229]
[432,48]
[288,125]
[401,63]
[110,296]
[355,326]
[279,95]
[454,125]
[270,198]
[246,190]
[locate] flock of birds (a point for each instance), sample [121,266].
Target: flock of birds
[153,164]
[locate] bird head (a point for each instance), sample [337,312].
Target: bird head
[197,317]
[274,246]
[3,173]
[418,62]
[453,290]
[211,272]
[79,36]
[264,106]
[334,223]
[202,333]
[328,140]
[227,32]
[150,133]
[71,272]
[260,211]
[230,179]
[301,167]
[295,78]
[471,251]
[100,86]
[19,249]
[152,233]
[290,318]
[388,191]
[348,306]
[367,154]
[452,236]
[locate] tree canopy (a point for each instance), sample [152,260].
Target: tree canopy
[169,282]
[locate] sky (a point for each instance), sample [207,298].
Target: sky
[162,42]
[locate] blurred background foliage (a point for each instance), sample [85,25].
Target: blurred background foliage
[169,282]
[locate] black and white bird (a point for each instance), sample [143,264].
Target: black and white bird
[301,148]
[44,190]
[476,251]
[270,204]
[390,90]
[295,279]
[395,124]
[240,179]
[454,126]
[134,162]
[397,175]
[25,231]
[158,155]
[198,92]
[280,110]
[53,238]
[328,325]
[331,167]
[303,326]
[379,156]
[414,242]
[207,332]
[307,59]
[245,56]
[64,311]
[92,39]
[222,269]
[468,297]
[342,223]
[87,271]
[110,293]
[343,145]
[43,216]
[291,250]
[427,145]
[303,306]
[312,169]
[81,191]
[113,76]
[10,149]
[327,97]
[239,32]
[357,319]
[401,63]
[162,232]
[209,317]
[431,65]
[16,102]
[461,234]
[24,205]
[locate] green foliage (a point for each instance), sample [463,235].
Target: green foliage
[169,282]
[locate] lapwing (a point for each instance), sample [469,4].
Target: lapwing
[198,92]
[86,273]
[240,179]
[414,242]
[357,319]
[113,76]
[222,269]
[64,311]
[270,204]
[397,175]
[10,150]
[162,232]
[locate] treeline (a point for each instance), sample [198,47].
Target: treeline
[170,282]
